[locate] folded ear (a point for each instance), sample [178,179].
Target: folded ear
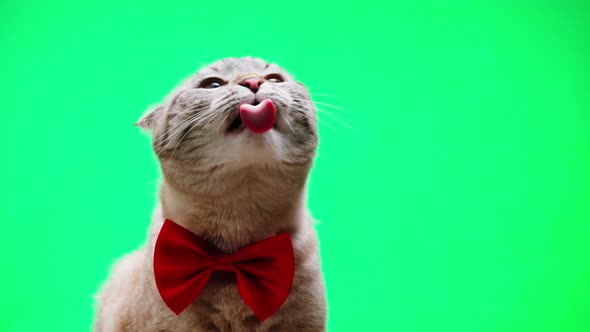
[148,120]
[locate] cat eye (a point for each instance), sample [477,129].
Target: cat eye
[274,78]
[212,83]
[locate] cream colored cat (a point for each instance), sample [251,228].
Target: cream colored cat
[232,187]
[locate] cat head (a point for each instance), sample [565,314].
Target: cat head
[199,124]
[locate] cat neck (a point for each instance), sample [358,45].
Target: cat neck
[239,212]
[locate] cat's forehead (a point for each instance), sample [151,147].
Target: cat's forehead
[235,66]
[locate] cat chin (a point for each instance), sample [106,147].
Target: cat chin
[249,148]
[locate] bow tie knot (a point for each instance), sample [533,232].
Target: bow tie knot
[225,262]
[184,263]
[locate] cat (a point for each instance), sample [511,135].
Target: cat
[232,187]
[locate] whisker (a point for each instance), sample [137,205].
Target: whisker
[178,128]
[324,95]
[330,115]
[340,121]
[210,117]
[322,103]
[218,114]
[188,129]
[329,105]
[333,116]
[313,116]
[189,118]
[185,125]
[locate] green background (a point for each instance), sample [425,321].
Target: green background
[452,188]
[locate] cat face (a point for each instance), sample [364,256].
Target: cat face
[199,122]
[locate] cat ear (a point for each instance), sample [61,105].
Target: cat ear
[148,120]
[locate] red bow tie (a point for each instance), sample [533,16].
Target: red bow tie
[184,263]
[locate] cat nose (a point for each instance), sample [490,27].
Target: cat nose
[252,83]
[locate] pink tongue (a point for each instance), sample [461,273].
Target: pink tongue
[259,118]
